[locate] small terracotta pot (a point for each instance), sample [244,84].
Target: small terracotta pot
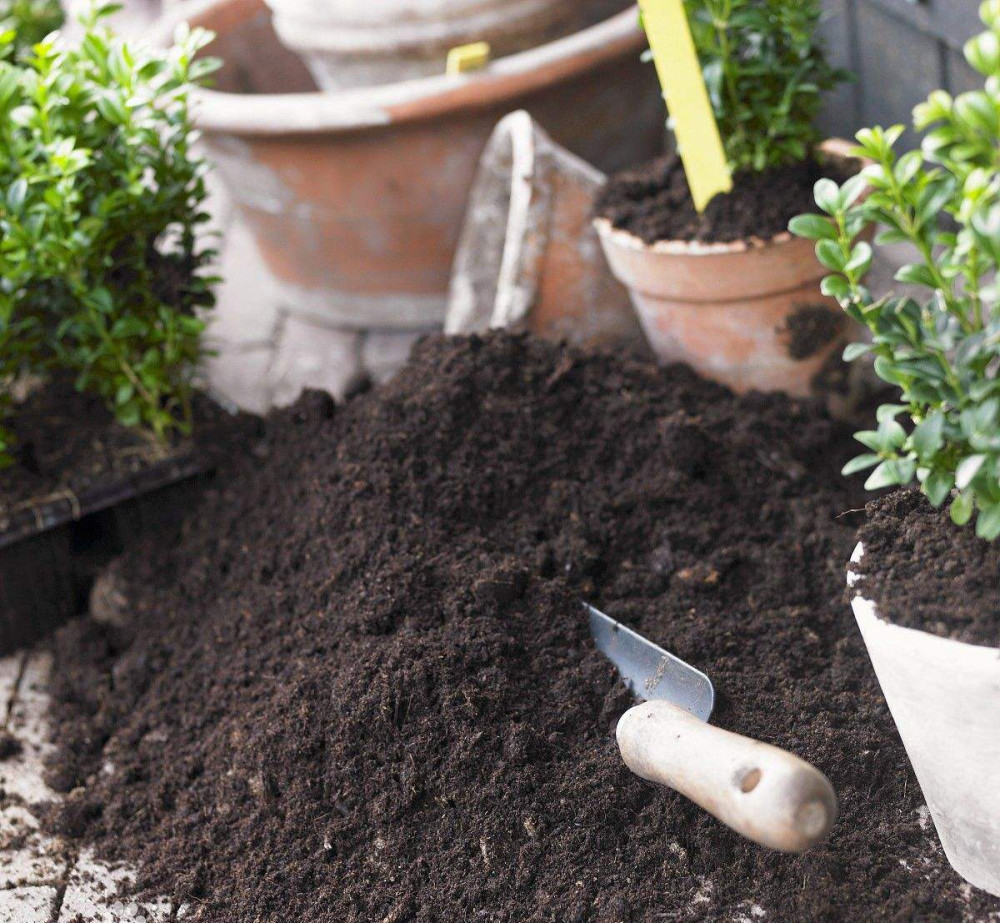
[945,699]
[724,308]
[353,43]
[528,257]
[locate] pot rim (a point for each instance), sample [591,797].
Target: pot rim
[831,148]
[869,610]
[421,99]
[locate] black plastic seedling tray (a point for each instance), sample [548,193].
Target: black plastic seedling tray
[51,550]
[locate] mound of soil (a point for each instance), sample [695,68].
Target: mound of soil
[360,685]
[653,202]
[922,571]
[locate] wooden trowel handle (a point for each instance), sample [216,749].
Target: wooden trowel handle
[766,794]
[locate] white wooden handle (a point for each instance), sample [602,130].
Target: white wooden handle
[763,793]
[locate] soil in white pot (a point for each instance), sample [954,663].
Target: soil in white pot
[361,687]
[922,571]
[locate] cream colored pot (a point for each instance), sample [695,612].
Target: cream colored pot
[945,699]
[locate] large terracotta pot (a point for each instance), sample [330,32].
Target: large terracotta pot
[944,696]
[356,199]
[350,43]
[724,309]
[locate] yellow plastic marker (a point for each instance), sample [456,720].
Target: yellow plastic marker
[467,58]
[677,65]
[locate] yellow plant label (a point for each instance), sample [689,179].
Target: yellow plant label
[467,58]
[697,133]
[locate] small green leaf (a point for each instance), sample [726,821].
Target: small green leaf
[988,522]
[836,287]
[937,486]
[961,509]
[827,195]
[861,463]
[928,437]
[813,227]
[967,470]
[829,253]
[856,350]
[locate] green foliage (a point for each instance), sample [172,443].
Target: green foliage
[29,20]
[766,73]
[101,197]
[943,351]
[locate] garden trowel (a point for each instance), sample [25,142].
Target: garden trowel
[762,792]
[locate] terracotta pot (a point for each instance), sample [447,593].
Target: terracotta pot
[945,699]
[724,308]
[529,257]
[351,43]
[356,199]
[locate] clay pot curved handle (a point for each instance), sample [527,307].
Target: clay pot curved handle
[762,792]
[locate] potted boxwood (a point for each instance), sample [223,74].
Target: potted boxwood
[730,292]
[928,590]
[103,275]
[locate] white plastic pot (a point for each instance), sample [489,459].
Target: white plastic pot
[944,696]
[353,43]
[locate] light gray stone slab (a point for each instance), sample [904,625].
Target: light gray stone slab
[91,894]
[28,905]
[10,670]
[27,857]
[21,776]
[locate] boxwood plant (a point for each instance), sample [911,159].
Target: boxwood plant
[29,21]
[101,198]
[766,72]
[943,348]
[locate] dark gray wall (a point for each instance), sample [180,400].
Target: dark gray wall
[900,51]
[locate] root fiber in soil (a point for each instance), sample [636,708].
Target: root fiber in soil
[653,202]
[922,571]
[360,686]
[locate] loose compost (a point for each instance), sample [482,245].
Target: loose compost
[653,202]
[923,571]
[358,686]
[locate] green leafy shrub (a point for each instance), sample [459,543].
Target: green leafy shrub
[942,350]
[766,72]
[29,20]
[101,271]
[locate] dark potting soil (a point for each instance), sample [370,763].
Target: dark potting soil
[653,202]
[10,746]
[68,441]
[361,687]
[922,571]
[810,328]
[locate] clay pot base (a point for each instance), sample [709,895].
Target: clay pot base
[922,571]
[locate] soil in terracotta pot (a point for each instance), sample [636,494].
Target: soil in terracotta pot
[67,440]
[653,202]
[361,687]
[922,571]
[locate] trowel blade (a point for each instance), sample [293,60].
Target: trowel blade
[649,671]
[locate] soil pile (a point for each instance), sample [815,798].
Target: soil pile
[654,202]
[361,687]
[923,571]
